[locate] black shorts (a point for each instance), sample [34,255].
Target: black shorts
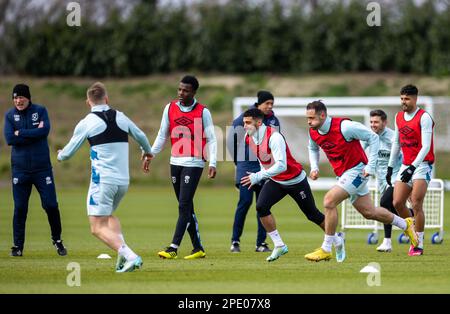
[272,192]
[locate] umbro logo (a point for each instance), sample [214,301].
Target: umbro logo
[183,121]
[406,130]
[328,145]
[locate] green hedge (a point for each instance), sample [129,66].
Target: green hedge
[236,37]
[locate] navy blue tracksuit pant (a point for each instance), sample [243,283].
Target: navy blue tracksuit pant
[22,183]
[245,201]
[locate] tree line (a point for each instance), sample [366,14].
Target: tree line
[232,37]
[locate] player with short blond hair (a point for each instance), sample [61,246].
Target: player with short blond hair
[107,132]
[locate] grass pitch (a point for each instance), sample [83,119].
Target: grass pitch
[148,217]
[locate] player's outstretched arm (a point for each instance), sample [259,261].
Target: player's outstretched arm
[80,134]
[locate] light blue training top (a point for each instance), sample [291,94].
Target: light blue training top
[384,153]
[109,161]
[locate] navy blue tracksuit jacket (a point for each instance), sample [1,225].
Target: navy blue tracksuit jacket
[30,151]
[30,165]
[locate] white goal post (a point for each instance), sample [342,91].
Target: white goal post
[433,205]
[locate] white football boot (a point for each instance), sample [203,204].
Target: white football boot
[386,246]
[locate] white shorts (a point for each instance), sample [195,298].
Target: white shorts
[422,172]
[354,182]
[104,198]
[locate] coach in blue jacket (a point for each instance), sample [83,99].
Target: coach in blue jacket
[26,130]
[246,161]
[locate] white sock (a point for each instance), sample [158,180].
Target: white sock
[420,236]
[337,240]
[399,222]
[276,238]
[328,242]
[174,246]
[387,241]
[126,252]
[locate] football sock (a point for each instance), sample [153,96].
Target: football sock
[126,252]
[399,222]
[420,236]
[276,238]
[337,240]
[328,242]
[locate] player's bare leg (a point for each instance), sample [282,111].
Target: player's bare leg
[402,192]
[331,200]
[268,223]
[330,203]
[100,229]
[114,225]
[108,230]
[417,196]
[364,205]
